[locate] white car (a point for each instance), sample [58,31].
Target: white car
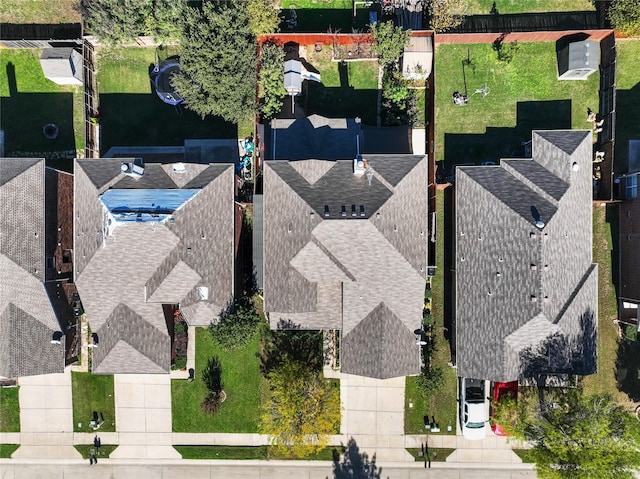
[473,408]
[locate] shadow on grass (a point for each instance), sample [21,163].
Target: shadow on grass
[449,270]
[144,120]
[497,143]
[354,464]
[628,368]
[25,114]
[627,107]
[613,218]
[339,102]
[314,20]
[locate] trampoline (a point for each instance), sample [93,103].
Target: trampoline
[161,77]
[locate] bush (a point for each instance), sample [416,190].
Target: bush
[625,16]
[212,375]
[271,80]
[398,100]
[430,380]
[180,362]
[212,401]
[631,332]
[236,327]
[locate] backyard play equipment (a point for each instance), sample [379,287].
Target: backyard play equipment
[50,131]
[161,78]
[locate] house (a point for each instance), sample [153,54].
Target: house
[525,285]
[33,315]
[345,248]
[62,65]
[150,238]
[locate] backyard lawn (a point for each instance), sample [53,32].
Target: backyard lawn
[443,403]
[9,409]
[627,99]
[131,114]
[93,392]
[483,7]
[320,16]
[241,382]
[29,101]
[523,95]
[38,11]
[347,90]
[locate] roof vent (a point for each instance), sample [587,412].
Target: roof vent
[534,298]
[498,274]
[179,168]
[540,224]
[534,267]
[132,169]
[369,175]
[312,215]
[203,293]
[361,210]
[462,258]
[343,211]
[353,210]
[545,299]
[546,267]
[326,210]
[575,166]
[489,293]
[501,260]
[57,337]
[532,235]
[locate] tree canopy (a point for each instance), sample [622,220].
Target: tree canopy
[445,14]
[263,16]
[581,437]
[119,21]
[218,61]
[302,410]
[389,41]
[625,16]
[236,327]
[271,80]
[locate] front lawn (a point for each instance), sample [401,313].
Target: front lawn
[436,454]
[29,101]
[348,90]
[9,409]
[523,95]
[7,449]
[131,114]
[442,404]
[103,452]
[241,382]
[93,392]
[251,452]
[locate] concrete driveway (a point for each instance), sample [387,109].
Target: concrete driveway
[46,417]
[373,416]
[143,416]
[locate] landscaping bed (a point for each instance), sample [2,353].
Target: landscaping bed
[93,392]
[7,449]
[523,94]
[242,384]
[9,409]
[436,454]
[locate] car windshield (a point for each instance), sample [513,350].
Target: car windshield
[475,425]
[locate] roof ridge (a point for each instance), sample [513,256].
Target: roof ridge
[505,163]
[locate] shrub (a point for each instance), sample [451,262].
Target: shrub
[631,332]
[237,327]
[211,402]
[625,16]
[430,380]
[212,374]
[180,362]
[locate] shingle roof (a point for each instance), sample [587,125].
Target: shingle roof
[125,270]
[349,272]
[27,319]
[521,288]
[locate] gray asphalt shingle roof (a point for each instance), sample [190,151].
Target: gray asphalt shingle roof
[125,271]
[27,318]
[526,295]
[360,274]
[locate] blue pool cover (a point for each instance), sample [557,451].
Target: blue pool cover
[145,205]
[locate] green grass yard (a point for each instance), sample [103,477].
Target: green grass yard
[483,7]
[29,101]
[103,452]
[131,114]
[241,381]
[7,449]
[523,95]
[9,409]
[250,452]
[38,11]
[347,90]
[436,454]
[93,392]
[319,16]
[443,403]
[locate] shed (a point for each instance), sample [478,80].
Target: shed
[577,60]
[417,58]
[293,77]
[62,65]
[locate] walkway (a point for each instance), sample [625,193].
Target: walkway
[46,417]
[143,416]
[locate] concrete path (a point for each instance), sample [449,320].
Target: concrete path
[143,416]
[46,417]
[373,415]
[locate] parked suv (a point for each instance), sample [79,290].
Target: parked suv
[473,408]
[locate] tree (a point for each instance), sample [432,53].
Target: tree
[115,21]
[263,16]
[389,42]
[218,62]
[289,345]
[271,80]
[445,14]
[625,16]
[212,377]
[581,437]
[302,410]
[237,327]
[165,23]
